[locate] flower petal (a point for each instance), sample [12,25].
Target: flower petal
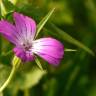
[23,55]
[9,31]
[50,59]
[26,26]
[48,48]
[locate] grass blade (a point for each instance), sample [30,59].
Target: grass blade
[70,39]
[43,22]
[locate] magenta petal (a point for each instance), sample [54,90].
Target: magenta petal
[29,57]
[23,55]
[9,31]
[50,59]
[50,49]
[26,26]
[20,53]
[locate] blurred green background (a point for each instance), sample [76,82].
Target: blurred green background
[73,21]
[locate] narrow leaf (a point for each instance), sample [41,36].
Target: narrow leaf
[38,63]
[70,39]
[69,49]
[2,8]
[43,22]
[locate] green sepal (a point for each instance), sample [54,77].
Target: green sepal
[38,63]
[16,61]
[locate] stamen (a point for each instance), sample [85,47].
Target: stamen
[27,46]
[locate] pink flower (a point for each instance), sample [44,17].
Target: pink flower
[22,36]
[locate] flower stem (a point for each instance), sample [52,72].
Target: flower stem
[8,80]
[15,62]
[26,92]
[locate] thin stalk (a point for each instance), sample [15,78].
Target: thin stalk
[8,80]
[15,62]
[26,92]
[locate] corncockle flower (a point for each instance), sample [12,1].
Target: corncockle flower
[22,36]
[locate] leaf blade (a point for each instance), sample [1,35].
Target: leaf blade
[38,63]
[70,39]
[43,21]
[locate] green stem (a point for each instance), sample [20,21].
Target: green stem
[15,62]
[26,92]
[8,80]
